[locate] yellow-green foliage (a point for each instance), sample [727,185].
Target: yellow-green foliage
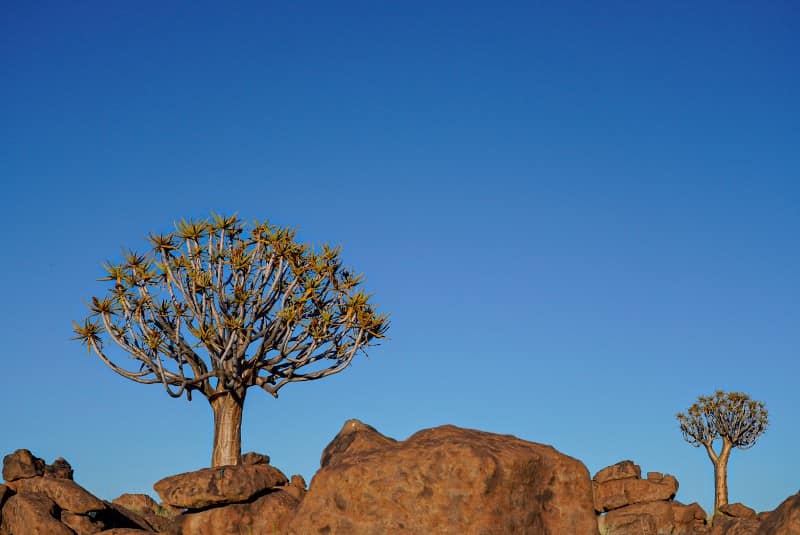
[730,416]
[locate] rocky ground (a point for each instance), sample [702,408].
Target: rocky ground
[443,480]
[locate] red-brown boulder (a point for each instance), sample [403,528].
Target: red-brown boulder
[785,520]
[621,470]
[159,517]
[615,493]
[266,514]
[220,485]
[737,510]
[65,493]
[21,464]
[81,524]
[252,457]
[59,469]
[354,437]
[662,517]
[731,525]
[445,480]
[31,514]
[124,531]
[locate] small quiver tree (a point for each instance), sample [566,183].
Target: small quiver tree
[217,308]
[733,419]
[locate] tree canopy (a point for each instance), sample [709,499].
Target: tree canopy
[733,417]
[218,305]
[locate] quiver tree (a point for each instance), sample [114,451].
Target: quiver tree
[217,308]
[733,419]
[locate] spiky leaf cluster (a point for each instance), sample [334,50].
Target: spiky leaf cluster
[219,305]
[731,416]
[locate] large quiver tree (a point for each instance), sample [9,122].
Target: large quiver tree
[731,418]
[217,308]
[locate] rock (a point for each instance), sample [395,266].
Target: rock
[64,492]
[158,517]
[621,470]
[662,517]
[785,520]
[81,524]
[118,516]
[59,469]
[141,504]
[21,464]
[615,493]
[728,525]
[252,457]
[266,514]
[296,486]
[444,480]
[31,514]
[737,510]
[124,531]
[215,486]
[354,437]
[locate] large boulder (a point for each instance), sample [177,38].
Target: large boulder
[220,485]
[785,520]
[31,514]
[21,464]
[445,480]
[266,514]
[612,494]
[661,517]
[65,493]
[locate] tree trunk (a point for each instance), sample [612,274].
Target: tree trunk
[721,477]
[227,409]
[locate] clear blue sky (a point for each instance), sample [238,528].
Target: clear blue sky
[580,216]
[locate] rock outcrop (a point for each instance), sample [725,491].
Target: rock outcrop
[42,498]
[444,480]
[785,520]
[634,505]
[441,480]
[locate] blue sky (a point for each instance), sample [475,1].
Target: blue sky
[580,217]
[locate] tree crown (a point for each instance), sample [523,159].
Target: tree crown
[219,306]
[730,416]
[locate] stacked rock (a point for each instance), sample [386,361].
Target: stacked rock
[247,498]
[633,505]
[42,498]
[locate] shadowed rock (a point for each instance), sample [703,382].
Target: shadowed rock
[31,514]
[65,493]
[785,520]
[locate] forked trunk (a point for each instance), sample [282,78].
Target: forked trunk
[227,409]
[721,478]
